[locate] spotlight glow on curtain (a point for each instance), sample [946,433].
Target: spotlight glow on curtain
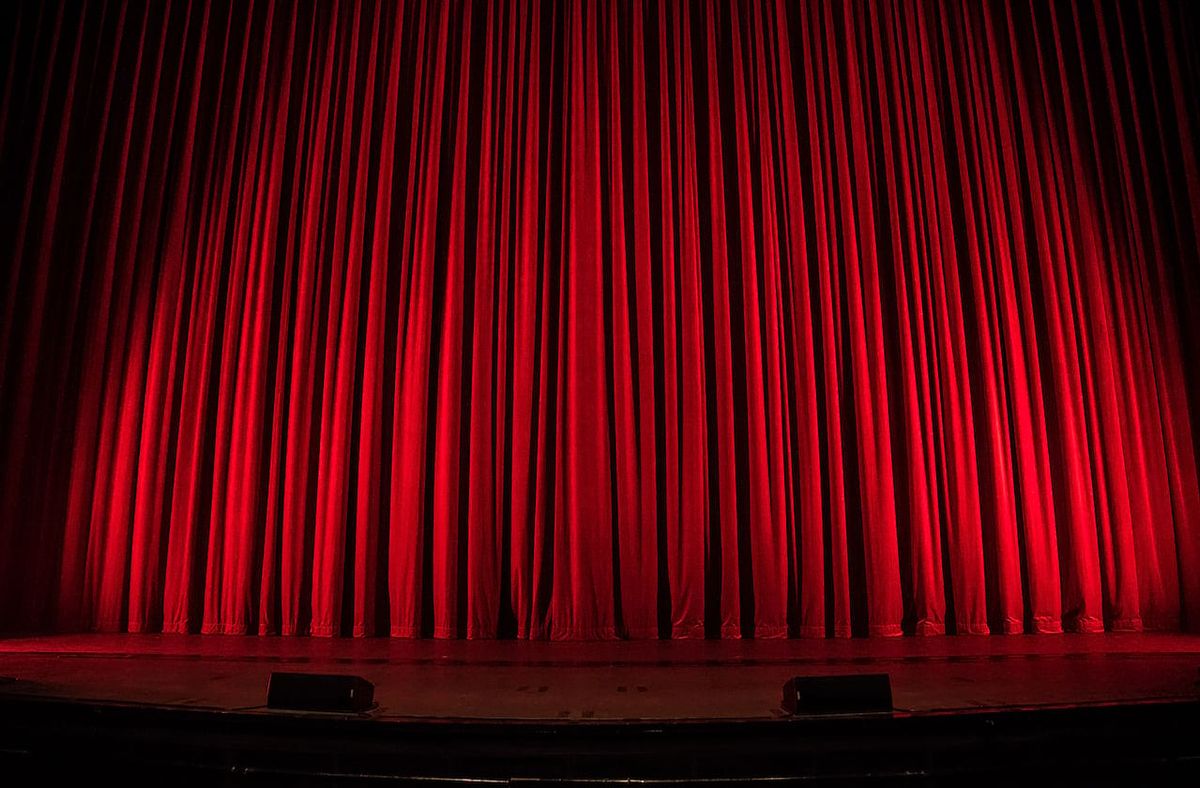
[597,319]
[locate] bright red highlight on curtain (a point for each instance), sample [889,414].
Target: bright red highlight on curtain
[599,319]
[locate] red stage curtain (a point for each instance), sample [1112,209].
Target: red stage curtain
[599,319]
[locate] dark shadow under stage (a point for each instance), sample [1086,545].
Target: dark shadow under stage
[997,706]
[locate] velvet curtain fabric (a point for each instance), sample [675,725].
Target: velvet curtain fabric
[599,319]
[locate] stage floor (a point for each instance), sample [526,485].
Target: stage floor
[608,681]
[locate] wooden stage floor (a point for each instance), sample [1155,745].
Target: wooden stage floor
[609,681]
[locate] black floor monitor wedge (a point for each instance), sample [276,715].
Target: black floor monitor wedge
[320,692]
[850,694]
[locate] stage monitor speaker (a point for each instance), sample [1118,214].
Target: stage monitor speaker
[855,693]
[320,692]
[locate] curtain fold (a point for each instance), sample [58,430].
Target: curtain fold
[599,319]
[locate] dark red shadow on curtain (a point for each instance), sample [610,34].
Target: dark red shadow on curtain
[599,319]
